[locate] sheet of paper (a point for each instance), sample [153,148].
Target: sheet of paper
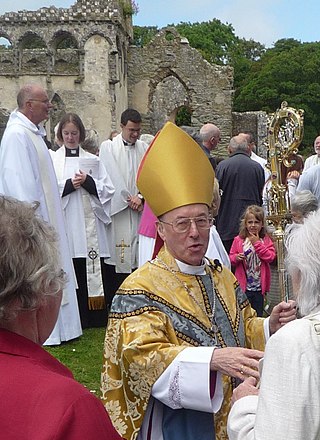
[89,166]
[71,167]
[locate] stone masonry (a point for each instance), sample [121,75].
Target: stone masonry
[168,74]
[84,59]
[81,59]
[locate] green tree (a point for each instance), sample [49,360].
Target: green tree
[287,72]
[183,116]
[142,35]
[213,39]
[217,43]
[263,78]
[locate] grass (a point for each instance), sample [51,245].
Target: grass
[83,356]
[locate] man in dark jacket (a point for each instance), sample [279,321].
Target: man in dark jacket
[241,182]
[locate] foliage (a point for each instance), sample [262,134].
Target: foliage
[287,72]
[263,78]
[218,44]
[129,7]
[142,35]
[68,42]
[183,116]
[83,357]
[33,41]
[213,39]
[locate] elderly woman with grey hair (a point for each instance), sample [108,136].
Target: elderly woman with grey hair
[302,204]
[287,406]
[40,399]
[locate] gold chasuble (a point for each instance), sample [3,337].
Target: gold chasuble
[154,317]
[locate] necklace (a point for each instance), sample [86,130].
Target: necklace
[214,327]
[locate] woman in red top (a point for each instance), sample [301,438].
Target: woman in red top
[40,400]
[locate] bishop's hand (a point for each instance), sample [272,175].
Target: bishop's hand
[236,362]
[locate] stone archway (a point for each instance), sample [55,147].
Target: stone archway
[66,56]
[33,54]
[169,95]
[59,109]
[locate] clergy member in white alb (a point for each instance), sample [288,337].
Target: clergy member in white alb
[86,191]
[27,174]
[121,158]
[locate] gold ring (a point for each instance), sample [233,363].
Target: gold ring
[241,370]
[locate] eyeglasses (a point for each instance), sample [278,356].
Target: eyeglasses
[44,101]
[182,225]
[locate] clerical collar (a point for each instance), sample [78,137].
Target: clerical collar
[72,152]
[191,270]
[128,144]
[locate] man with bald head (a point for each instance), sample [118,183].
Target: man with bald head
[241,181]
[210,137]
[27,174]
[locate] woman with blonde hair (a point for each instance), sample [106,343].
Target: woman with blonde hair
[251,253]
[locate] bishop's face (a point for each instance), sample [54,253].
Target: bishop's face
[190,246]
[70,135]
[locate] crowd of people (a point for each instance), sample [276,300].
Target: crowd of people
[173,256]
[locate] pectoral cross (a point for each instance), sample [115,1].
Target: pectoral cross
[122,245]
[92,255]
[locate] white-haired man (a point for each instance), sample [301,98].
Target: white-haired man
[210,137]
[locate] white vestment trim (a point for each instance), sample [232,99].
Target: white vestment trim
[122,163]
[47,190]
[91,214]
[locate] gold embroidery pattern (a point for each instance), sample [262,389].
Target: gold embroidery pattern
[139,347]
[160,300]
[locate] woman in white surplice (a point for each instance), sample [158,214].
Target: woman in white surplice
[86,191]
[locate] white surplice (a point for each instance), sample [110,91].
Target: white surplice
[86,216]
[72,205]
[24,158]
[288,405]
[122,163]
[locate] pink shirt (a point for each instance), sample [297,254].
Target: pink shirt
[266,252]
[148,220]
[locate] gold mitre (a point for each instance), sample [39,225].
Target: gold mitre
[175,172]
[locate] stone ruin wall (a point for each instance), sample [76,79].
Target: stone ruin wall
[89,78]
[101,75]
[168,74]
[257,122]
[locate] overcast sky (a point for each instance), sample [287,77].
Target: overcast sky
[265,21]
